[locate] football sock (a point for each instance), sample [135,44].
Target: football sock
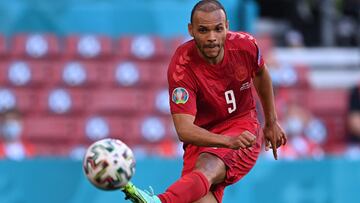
[187,189]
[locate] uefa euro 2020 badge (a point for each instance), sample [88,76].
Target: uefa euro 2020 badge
[180,95]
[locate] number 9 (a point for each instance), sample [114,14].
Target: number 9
[230,99]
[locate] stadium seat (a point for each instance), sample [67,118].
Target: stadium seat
[53,101]
[88,47]
[49,129]
[119,127]
[266,43]
[330,105]
[78,74]
[132,73]
[327,101]
[303,76]
[291,95]
[160,72]
[119,100]
[35,46]
[159,98]
[27,100]
[25,73]
[175,42]
[142,47]
[52,148]
[149,124]
[336,129]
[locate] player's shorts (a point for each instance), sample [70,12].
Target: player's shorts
[238,162]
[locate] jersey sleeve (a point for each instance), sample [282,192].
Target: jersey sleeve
[256,55]
[259,58]
[254,50]
[182,87]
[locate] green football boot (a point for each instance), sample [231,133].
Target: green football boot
[136,195]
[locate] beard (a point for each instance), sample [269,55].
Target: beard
[202,49]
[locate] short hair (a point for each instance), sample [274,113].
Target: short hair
[207,6]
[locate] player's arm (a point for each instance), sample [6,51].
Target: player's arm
[274,134]
[190,133]
[354,112]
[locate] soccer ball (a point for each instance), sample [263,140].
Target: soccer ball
[109,164]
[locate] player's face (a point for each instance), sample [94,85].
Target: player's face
[209,32]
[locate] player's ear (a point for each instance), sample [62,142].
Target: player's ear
[227,24]
[190,29]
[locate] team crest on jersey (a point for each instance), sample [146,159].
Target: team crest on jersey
[241,73]
[180,95]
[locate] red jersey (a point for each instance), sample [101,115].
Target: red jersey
[219,93]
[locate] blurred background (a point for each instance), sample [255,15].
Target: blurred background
[76,71]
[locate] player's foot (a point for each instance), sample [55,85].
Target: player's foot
[136,195]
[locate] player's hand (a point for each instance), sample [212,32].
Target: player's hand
[274,137]
[245,140]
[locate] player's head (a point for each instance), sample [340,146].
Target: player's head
[11,125]
[208,26]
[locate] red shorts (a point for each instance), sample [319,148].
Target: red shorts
[238,162]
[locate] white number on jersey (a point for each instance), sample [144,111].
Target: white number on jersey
[230,99]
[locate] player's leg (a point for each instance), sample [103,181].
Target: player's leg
[212,167]
[208,198]
[189,188]
[209,169]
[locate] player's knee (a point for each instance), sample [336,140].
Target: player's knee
[208,198]
[212,167]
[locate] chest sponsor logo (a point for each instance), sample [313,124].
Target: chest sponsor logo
[180,95]
[245,86]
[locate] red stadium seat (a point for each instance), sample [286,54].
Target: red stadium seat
[119,73]
[64,76]
[26,73]
[266,43]
[49,129]
[141,47]
[291,95]
[175,42]
[35,46]
[52,148]
[27,100]
[159,100]
[119,127]
[336,130]
[124,101]
[160,73]
[328,101]
[127,129]
[78,101]
[303,76]
[136,125]
[330,105]
[88,47]
[150,73]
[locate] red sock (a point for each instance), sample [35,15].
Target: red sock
[187,189]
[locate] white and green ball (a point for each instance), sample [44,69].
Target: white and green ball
[109,164]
